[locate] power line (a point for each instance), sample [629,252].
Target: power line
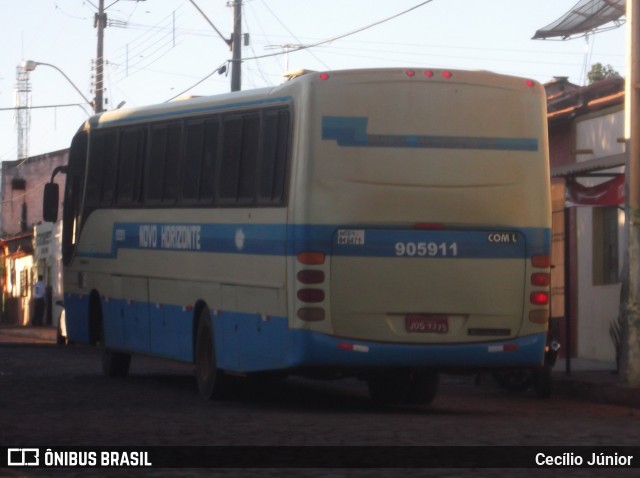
[292,34]
[217,70]
[304,47]
[344,35]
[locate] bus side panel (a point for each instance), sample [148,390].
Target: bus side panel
[251,342]
[77,317]
[113,323]
[171,331]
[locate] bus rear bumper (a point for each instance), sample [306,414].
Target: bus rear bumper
[323,350]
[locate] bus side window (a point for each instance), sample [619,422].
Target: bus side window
[209,160]
[155,164]
[273,164]
[230,160]
[130,166]
[109,169]
[191,175]
[163,164]
[249,160]
[94,175]
[101,175]
[172,163]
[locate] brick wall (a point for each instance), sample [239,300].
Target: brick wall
[22,189]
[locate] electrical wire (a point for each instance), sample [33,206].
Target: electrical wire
[293,35]
[304,47]
[199,82]
[344,35]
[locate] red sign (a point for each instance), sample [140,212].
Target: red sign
[609,193]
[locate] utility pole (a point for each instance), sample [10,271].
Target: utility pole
[630,341]
[235,43]
[100,22]
[236,47]
[23,112]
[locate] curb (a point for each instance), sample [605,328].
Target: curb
[47,333]
[598,387]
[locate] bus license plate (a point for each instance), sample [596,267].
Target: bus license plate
[427,324]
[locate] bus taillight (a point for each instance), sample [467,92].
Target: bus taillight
[310,295]
[311,258]
[310,276]
[311,314]
[539,297]
[541,279]
[541,261]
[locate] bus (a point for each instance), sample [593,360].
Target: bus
[384,224]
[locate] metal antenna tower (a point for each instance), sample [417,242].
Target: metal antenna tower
[23,111]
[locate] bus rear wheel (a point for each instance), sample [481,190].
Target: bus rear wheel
[115,364]
[212,382]
[403,386]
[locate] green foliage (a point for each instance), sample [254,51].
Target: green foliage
[600,72]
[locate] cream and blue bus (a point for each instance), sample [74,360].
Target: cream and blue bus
[385,224]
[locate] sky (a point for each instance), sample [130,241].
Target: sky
[157,49]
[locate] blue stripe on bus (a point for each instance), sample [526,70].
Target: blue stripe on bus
[249,342]
[352,131]
[316,349]
[285,240]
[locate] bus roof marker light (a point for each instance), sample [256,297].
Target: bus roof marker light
[411,73]
[530,83]
[324,76]
[447,74]
[428,73]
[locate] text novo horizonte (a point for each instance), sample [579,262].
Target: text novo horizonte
[183,237]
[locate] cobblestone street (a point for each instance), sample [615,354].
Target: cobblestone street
[57,396]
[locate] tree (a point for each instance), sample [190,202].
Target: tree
[599,72]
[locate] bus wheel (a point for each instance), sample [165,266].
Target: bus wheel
[115,364]
[212,383]
[424,385]
[542,383]
[390,387]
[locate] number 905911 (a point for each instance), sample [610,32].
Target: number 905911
[426,249]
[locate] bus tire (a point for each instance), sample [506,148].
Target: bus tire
[60,339]
[212,383]
[115,364]
[390,387]
[542,382]
[424,386]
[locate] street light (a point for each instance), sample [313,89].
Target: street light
[30,65]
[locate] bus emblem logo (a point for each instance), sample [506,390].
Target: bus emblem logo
[239,239]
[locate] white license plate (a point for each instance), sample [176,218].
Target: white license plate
[427,323]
